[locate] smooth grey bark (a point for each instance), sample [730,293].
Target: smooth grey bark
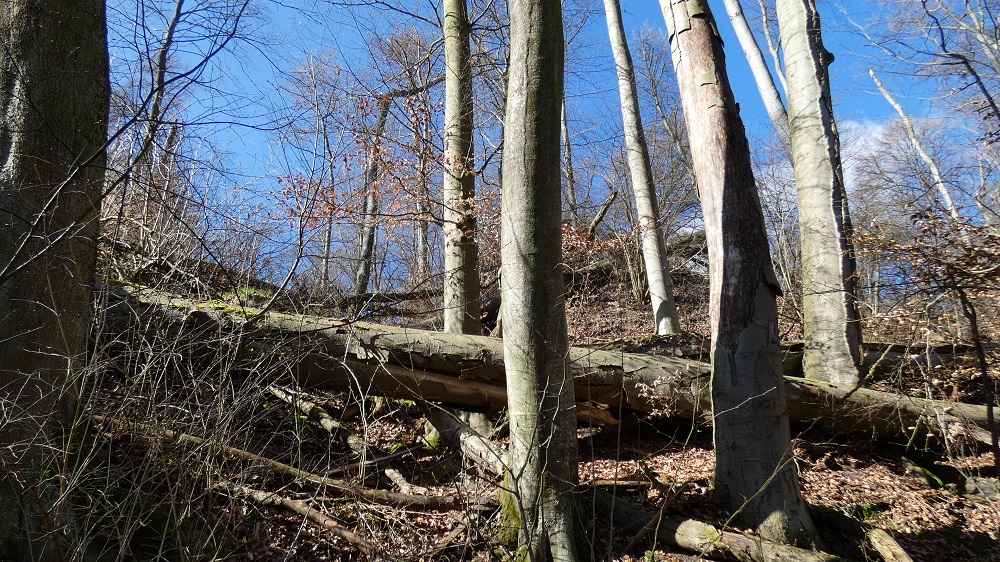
[54,95]
[831,321]
[654,252]
[461,250]
[761,73]
[543,456]
[755,473]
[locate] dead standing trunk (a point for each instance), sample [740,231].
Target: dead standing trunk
[755,473]
[654,253]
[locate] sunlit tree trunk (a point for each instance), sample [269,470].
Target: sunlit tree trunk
[53,116]
[543,460]
[654,251]
[831,324]
[755,473]
[461,251]
[761,73]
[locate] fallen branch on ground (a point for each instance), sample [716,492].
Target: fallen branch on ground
[304,509]
[330,485]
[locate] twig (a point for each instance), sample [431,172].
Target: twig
[301,507]
[332,426]
[339,487]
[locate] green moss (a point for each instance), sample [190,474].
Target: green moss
[433,442]
[510,520]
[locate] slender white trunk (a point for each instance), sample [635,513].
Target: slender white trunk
[654,251]
[939,183]
[761,73]
[571,203]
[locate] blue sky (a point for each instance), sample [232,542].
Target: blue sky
[288,33]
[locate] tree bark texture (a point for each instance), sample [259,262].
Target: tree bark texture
[831,322]
[755,473]
[53,124]
[467,370]
[543,465]
[654,252]
[461,250]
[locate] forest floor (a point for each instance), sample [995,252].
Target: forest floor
[202,510]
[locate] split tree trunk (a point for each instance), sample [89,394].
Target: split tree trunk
[755,474]
[654,253]
[831,321]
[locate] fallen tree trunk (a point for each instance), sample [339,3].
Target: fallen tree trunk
[467,370]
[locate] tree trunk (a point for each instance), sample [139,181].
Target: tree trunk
[831,322]
[543,457]
[755,474]
[366,247]
[54,107]
[461,251]
[467,370]
[654,252]
[761,73]
[571,201]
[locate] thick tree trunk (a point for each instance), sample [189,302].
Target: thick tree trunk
[654,252]
[461,251]
[755,474]
[831,322]
[53,118]
[542,450]
[466,370]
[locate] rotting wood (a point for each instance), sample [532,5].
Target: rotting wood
[707,541]
[887,547]
[467,370]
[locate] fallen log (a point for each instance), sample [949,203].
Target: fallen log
[467,370]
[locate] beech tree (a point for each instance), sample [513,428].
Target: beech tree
[461,252]
[761,73]
[755,474]
[654,251]
[55,91]
[543,459]
[831,322]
